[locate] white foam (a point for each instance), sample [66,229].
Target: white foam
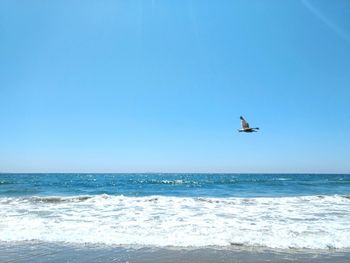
[298,222]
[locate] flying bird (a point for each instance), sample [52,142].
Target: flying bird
[245,126]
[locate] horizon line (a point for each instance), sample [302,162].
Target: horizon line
[242,173]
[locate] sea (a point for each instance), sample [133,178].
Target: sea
[277,211]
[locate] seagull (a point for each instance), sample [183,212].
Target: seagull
[245,126]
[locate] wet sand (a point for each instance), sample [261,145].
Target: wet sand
[62,252]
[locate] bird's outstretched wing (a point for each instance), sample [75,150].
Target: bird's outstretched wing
[245,124]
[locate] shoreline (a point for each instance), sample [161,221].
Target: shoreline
[35,251]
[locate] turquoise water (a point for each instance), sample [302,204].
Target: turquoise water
[187,185]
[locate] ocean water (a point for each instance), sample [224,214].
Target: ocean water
[280,211]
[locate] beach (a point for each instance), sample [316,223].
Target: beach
[60,252]
[175,131]
[174,218]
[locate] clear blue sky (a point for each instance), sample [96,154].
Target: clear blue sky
[139,86]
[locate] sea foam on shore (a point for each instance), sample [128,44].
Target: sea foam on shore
[314,222]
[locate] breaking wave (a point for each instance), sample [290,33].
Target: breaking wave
[315,222]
